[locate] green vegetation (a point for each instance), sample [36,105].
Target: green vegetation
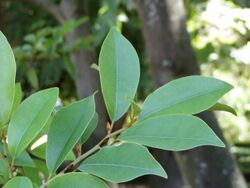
[110,84]
[166,125]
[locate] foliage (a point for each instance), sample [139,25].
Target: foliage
[166,121]
[44,57]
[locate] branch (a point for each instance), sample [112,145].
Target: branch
[93,150]
[50,7]
[85,155]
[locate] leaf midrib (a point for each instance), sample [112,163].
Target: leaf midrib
[119,165]
[165,137]
[72,133]
[117,77]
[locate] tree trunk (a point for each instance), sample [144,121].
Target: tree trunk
[87,79]
[171,56]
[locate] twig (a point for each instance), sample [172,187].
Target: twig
[85,155]
[5,153]
[91,151]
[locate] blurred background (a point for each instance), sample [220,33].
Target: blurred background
[57,42]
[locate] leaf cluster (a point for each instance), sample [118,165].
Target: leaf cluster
[37,138]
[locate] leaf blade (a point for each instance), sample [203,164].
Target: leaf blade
[17,97]
[177,133]
[223,107]
[76,118]
[18,182]
[187,95]
[90,129]
[119,73]
[28,121]
[76,179]
[127,160]
[7,79]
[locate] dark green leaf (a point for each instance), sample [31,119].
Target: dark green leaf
[67,127]
[24,160]
[119,73]
[29,119]
[223,107]
[40,152]
[32,78]
[34,174]
[172,132]
[122,163]
[90,129]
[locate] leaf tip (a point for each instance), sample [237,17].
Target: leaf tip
[219,143]
[164,174]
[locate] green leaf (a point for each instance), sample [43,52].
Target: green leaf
[76,179]
[19,182]
[119,73]
[29,119]
[24,160]
[2,180]
[7,79]
[172,132]
[68,125]
[34,174]
[32,78]
[90,129]
[187,95]
[40,152]
[122,163]
[70,68]
[4,173]
[223,107]
[47,126]
[18,97]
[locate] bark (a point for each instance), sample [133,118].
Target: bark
[87,79]
[171,56]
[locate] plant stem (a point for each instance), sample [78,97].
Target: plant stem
[111,127]
[5,152]
[93,150]
[85,155]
